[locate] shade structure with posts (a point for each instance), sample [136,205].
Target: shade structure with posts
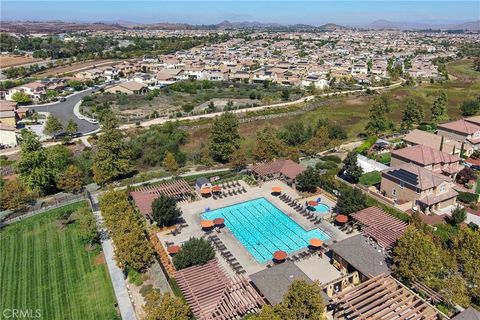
[173,249]
[316,243]
[341,218]
[279,255]
[312,203]
[206,224]
[216,189]
[276,189]
[218,222]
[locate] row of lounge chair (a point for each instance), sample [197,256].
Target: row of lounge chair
[227,255]
[230,184]
[312,217]
[225,194]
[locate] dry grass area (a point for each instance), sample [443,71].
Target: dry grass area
[75,67]
[7,61]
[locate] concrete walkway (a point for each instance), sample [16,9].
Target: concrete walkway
[125,305]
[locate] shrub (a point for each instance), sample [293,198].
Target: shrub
[459,215]
[308,180]
[326,165]
[467,197]
[195,251]
[351,200]
[331,158]
[135,277]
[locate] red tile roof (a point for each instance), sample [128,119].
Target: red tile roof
[461,126]
[425,155]
[287,168]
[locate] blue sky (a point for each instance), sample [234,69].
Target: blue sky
[209,12]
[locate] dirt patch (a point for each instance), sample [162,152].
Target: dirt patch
[12,61]
[100,259]
[75,67]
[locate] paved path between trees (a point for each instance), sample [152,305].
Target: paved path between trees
[116,274]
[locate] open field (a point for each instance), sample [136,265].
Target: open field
[351,112]
[75,67]
[45,266]
[7,61]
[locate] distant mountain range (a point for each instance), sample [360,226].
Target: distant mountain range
[391,25]
[55,26]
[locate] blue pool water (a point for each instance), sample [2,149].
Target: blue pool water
[321,208]
[262,228]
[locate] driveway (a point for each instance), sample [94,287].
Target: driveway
[63,111]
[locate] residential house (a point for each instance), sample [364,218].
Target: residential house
[129,87]
[462,131]
[434,141]
[316,81]
[424,190]
[428,158]
[35,90]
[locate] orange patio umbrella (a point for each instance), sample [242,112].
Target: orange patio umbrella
[315,242]
[276,189]
[173,249]
[207,223]
[279,255]
[312,203]
[216,189]
[219,221]
[341,218]
[205,190]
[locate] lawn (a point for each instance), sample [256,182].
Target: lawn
[371,178]
[46,266]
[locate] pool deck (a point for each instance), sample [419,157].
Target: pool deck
[318,269]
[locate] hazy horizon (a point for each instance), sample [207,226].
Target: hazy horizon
[212,12]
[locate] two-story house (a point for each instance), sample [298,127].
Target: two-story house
[461,130]
[35,90]
[425,190]
[428,158]
[435,141]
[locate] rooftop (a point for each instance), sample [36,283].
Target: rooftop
[416,176]
[287,168]
[425,155]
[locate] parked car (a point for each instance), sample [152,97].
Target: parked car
[62,99]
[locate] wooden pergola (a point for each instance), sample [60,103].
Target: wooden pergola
[213,295]
[382,297]
[171,188]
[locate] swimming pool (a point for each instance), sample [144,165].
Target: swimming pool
[321,208]
[262,228]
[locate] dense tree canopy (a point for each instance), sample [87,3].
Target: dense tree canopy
[308,180]
[351,168]
[14,195]
[378,116]
[224,138]
[412,114]
[165,211]
[165,307]
[470,108]
[268,146]
[71,180]
[195,251]
[351,200]
[439,108]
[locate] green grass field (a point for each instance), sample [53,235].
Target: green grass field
[46,266]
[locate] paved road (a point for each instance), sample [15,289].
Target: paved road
[63,111]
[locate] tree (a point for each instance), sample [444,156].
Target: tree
[112,158]
[15,195]
[476,64]
[412,114]
[87,225]
[165,211]
[238,160]
[71,180]
[308,180]
[459,215]
[72,127]
[21,98]
[351,168]
[454,289]
[195,251]
[302,301]
[267,313]
[439,108]
[320,141]
[165,307]
[351,200]
[267,146]
[225,138]
[417,258]
[466,250]
[379,121]
[169,163]
[470,108]
[52,126]
[285,94]
[466,175]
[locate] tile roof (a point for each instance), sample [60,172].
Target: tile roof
[287,168]
[415,176]
[468,314]
[461,126]
[431,140]
[425,155]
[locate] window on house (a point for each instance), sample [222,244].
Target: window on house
[394,192]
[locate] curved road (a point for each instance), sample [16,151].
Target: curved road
[63,111]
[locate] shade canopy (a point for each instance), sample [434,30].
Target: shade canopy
[207,223]
[279,255]
[218,221]
[205,190]
[341,218]
[276,189]
[315,242]
[216,189]
[312,203]
[173,249]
